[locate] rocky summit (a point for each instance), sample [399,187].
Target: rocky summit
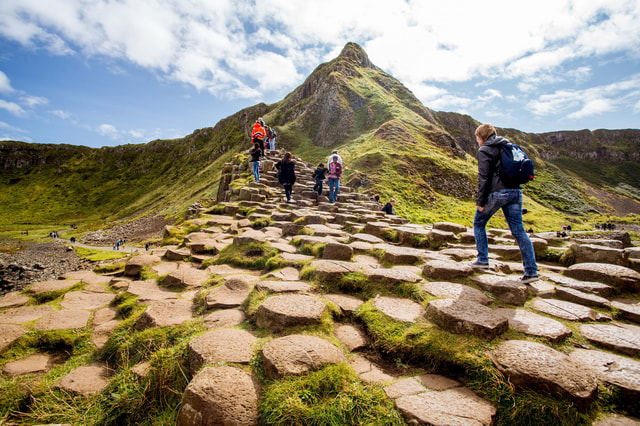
[260,297]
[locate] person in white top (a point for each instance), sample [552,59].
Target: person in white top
[333,154]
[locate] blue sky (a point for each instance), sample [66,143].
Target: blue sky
[112,72]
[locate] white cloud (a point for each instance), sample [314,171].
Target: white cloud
[60,114]
[5,84]
[108,130]
[33,101]
[12,108]
[594,107]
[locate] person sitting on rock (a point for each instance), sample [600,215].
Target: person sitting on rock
[388,208]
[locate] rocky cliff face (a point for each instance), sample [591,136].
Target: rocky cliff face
[602,146]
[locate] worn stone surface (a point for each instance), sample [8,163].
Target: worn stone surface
[165,313]
[446,269]
[616,420]
[51,285]
[463,316]
[135,264]
[9,333]
[222,345]
[534,365]
[405,310]
[352,337]
[619,339]
[391,276]
[347,304]
[186,277]
[224,318]
[535,325]
[457,406]
[619,371]
[565,310]
[86,300]
[369,370]
[285,274]
[220,396]
[600,289]
[623,278]
[278,312]
[13,300]
[149,291]
[64,319]
[86,276]
[232,293]
[505,289]
[449,290]
[283,286]
[102,333]
[298,354]
[577,296]
[629,308]
[86,380]
[333,270]
[31,364]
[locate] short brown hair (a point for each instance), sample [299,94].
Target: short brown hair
[485,130]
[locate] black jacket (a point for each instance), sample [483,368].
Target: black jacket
[256,153]
[489,169]
[287,173]
[318,174]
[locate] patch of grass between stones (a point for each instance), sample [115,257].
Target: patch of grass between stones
[252,255]
[333,396]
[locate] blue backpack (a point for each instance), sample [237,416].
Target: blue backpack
[516,167]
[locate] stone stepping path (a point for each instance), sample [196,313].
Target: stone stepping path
[460,300]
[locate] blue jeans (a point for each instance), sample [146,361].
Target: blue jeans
[256,170]
[510,201]
[334,188]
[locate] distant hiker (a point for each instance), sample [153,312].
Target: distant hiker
[319,176]
[335,171]
[287,174]
[146,246]
[72,240]
[334,153]
[376,199]
[271,133]
[256,153]
[494,194]
[258,134]
[388,208]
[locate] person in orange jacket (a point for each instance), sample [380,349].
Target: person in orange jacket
[258,134]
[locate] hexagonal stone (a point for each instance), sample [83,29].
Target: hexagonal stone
[565,310]
[13,300]
[86,380]
[616,420]
[391,276]
[535,325]
[86,300]
[463,316]
[224,318]
[505,289]
[448,290]
[347,304]
[396,255]
[9,333]
[64,319]
[30,364]
[450,227]
[457,406]
[285,274]
[534,365]
[232,293]
[186,277]
[297,354]
[337,251]
[278,312]
[88,277]
[600,289]
[333,270]
[165,313]
[52,285]
[370,370]
[102,332]
[577,296]
[135,264]
[250,236]
[629,308]
[405,310]
[177,254]
[367,238]
[222,345]
[352,337]
[619,371]
[441,269]
[619,339]
[104,315]
[621,277]
[24,314]
[149,291]
[283,286]
[220,395]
